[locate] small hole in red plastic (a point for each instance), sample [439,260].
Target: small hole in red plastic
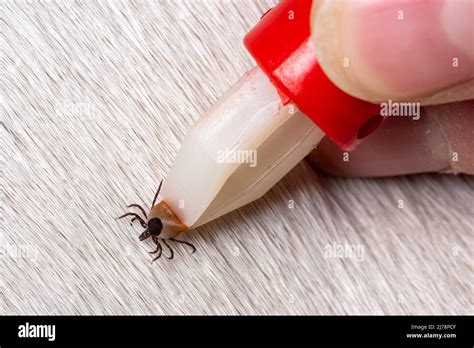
[369,126]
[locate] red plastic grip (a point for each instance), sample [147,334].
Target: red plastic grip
[281,45]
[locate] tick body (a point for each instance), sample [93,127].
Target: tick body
[161,224]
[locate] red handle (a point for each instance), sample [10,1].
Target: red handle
[282,47]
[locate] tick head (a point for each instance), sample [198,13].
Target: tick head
[144,235]
[155,226]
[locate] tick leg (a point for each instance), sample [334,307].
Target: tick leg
[156,195]
[141,222]
[183,242]
[159,255]
[158,245]
[130,214]
[135,216]
[171,250]
[158,250]
[139,207]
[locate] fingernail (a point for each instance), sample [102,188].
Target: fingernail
[405,49]
[415,47]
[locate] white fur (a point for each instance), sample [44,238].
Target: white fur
[145,70]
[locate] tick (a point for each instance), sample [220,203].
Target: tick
[161,224]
